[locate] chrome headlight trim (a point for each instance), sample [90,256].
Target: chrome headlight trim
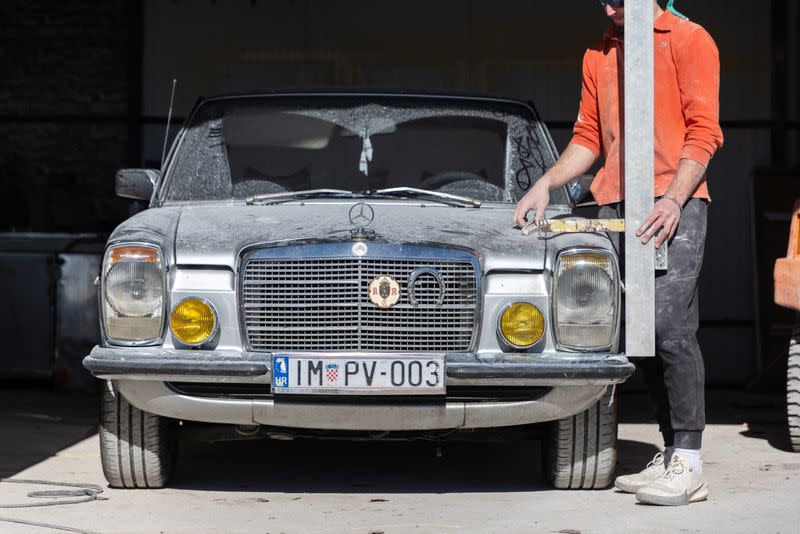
[615,289]
[101,297]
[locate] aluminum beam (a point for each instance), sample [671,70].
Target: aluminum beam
[639,172]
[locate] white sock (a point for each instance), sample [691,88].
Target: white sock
[668,452]
[692,457]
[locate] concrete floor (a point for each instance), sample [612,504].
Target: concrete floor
[333,487]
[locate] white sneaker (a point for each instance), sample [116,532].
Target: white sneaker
[680,484]
[635,482]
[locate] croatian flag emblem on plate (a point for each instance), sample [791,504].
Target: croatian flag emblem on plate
[331,372]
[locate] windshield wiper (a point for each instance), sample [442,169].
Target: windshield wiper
[278,198]
[445,198]
[403,192]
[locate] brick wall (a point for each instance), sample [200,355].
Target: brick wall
[63,110]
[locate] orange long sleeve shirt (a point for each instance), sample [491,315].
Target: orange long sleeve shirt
[686,105]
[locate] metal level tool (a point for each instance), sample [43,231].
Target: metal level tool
[567,226]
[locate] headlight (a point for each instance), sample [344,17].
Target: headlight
[193,321]
[585,300]
[133,293]
[522,325]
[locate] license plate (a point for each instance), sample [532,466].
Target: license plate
[355,375]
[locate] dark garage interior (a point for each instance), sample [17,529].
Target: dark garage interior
[86,91]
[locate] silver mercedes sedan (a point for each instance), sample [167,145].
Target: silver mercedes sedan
[334,265]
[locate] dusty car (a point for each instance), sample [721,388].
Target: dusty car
[317,265]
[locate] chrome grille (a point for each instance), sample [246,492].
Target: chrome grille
[323,304]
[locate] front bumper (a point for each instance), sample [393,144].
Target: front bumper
[573,382]
[363,414]
[549,369]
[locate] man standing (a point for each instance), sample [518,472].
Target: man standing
[687,134]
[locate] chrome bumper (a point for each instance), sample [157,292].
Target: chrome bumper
[549,369]
[365,414]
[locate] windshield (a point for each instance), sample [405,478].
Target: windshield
[238,148]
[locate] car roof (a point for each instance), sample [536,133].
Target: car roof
[450,96]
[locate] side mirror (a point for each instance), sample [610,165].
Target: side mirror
[137,184]
[579,189]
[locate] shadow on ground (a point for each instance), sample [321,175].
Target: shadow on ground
[372,467]
[633,455]
[760,415]
[37,423]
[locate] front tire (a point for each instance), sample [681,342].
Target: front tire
[135,446]
[793,389]
[582,449]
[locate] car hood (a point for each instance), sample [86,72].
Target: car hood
[216,235]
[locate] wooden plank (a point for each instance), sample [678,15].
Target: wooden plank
[575,226]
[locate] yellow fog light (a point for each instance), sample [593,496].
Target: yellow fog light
[193,321]
[522,324]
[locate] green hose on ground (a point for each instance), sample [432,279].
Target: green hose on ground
[81,493]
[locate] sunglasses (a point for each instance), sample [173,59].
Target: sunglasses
[616,4]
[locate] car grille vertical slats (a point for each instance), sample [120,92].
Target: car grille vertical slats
[323,305]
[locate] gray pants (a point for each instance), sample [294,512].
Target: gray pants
[676,376]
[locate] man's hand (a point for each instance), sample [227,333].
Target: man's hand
[665,216]
[575,160]
[536,199]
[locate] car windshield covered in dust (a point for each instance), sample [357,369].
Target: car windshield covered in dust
[239,148]
[336,266]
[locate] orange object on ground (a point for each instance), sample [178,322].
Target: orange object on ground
[787,270]
[686,104]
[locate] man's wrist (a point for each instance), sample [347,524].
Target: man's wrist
[547,181]
[677,202]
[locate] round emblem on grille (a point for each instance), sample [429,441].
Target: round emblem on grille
[384,292]
[359,249]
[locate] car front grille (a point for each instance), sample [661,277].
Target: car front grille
[322,304]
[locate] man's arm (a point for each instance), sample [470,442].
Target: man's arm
[697,64]
[576,160]
[579,156]
[667,211]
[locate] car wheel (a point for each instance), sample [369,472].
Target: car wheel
[135,446]
[793,389]
[582,451]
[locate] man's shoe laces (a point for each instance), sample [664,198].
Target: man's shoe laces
[658,459]
[675,468]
